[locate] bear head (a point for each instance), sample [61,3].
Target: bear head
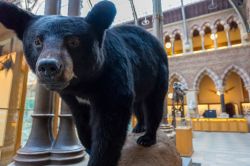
[61,49]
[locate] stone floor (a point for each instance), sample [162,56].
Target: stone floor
[221,149]
[217,149]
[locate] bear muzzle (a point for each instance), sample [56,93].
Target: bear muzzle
[50,72]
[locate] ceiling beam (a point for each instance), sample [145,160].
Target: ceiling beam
[134,11]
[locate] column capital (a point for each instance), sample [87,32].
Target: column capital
[214,31]
[226,27]
[202,33]
[221,90]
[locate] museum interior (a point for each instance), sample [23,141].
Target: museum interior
[208,47]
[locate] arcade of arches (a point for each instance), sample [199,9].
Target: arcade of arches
[208,95]
[219,35]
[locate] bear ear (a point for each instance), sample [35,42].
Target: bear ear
[14,18]
[101,16]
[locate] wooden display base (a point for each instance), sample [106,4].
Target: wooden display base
[184,142]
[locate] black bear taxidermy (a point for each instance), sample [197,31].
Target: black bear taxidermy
[118,70]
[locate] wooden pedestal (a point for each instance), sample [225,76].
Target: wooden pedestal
[184,143]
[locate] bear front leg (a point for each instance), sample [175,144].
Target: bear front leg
[109,128]
[81,115]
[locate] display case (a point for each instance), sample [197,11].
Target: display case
[220,124]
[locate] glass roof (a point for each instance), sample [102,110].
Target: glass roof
[124,11]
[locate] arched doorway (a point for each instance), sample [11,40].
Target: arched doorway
[235,91]
[208,97]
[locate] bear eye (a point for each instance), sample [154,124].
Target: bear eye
[73,42]
[38,41]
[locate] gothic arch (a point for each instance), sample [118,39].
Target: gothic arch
[194,27]
[177,31]
[179,77]
[165,34]
[236,69]
[219,21]
[206,24]
[211,74]
[232,18]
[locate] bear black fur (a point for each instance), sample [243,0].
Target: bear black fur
[102,74]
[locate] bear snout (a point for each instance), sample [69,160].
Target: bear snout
[49,68]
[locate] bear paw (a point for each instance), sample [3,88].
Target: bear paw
[146,140]
[138,129]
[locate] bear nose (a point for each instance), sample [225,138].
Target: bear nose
[49,68]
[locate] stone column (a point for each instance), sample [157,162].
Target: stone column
[74,8]
[172,44]
[248,90]
[183,45]
[214,31]
[227,29]
[37,149]
[222,99]
[202,34]
[52,7]
[244,35]
[157,20]
[192,102]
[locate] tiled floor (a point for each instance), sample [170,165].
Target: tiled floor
[218,149]
[221,149]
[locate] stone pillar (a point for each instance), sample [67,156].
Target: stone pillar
[248,90]
[172,43]
[244,35]
[244,38]
[192,102]
[158,20]
[222,99]
[202,33]
[183,45]
[214,31]
[37,149]
[227,29]
[52,7]
[74,8]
